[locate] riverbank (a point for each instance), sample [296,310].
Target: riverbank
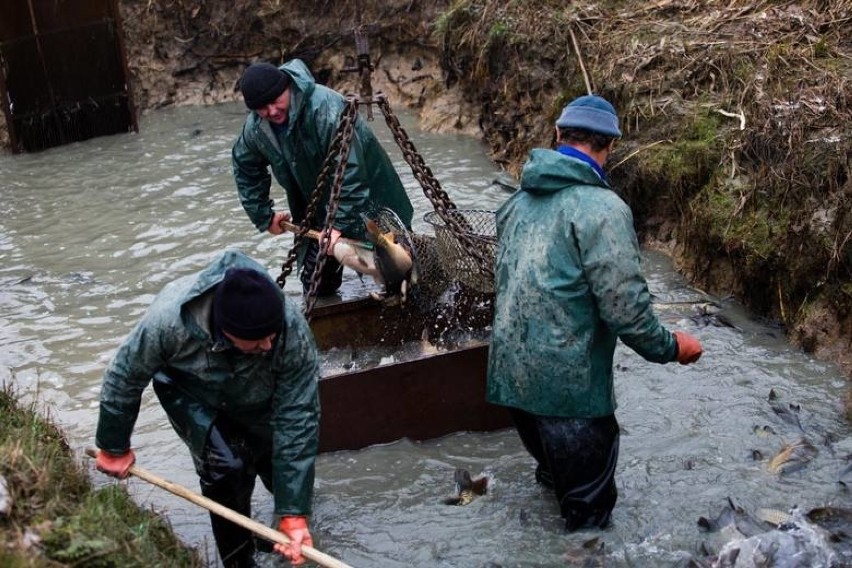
[736,115]
[671,177]
[51,515]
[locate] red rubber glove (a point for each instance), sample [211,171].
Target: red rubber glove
[296,529]
[688,348]
[275,227]
[115,465]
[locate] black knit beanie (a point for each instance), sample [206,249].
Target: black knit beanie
[262,83]
[248,305]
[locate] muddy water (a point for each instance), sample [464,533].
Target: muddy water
[91,231]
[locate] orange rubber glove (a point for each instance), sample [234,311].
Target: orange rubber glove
[115,465]
[688,348]
[296,529]
[275,227]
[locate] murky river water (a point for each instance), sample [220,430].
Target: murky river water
[91,231]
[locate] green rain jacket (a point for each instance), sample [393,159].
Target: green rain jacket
[274,397]
[568,283]
[296,157]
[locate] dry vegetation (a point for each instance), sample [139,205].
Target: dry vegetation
[737,142]
[736,155]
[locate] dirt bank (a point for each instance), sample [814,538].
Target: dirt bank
[736,156]
[193,52]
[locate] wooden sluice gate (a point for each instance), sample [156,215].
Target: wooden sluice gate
[63,72]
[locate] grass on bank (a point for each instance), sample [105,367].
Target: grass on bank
[736,130]
[57,518]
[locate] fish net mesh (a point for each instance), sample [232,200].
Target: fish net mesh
[442,261]
[453,248]
[449,296]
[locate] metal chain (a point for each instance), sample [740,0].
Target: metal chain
[365,68]
[432,189]
[339,148]
[345,131]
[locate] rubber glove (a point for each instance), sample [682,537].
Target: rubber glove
[275,227]
[688,348]
[115,465]
[296,529]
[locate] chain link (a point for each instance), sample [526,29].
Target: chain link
[339,148]
[439,199]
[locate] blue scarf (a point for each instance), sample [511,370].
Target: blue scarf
[583,157]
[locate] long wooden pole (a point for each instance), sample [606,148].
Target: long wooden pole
[316,235]
[257,528]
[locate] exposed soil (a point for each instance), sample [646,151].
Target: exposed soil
[736,155]
[193,52]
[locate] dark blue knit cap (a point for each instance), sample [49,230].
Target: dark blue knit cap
[592,113]
[248,305]
[262,83]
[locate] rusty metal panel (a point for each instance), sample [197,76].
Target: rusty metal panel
[363,323]
[56,15]
[420,400]
[428,397]
[63,75]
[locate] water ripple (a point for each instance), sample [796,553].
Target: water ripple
[90,232]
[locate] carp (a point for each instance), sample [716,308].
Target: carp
[763,431]
[467,488]
[771,537]
[733,522]
[788,413]
[393,261]
[358,258]
[710,314]
[792,457]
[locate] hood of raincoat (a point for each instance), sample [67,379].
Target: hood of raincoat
[548,171]
[198,377]
[568,285]
[297,153]
[302,88]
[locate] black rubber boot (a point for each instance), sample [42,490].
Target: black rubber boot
[544,477]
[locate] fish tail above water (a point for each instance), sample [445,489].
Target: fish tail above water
[468,488]
[792,456]
[734,521]
[788,413]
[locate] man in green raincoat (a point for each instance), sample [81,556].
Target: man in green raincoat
[289,131]
[568,285]
[235,367]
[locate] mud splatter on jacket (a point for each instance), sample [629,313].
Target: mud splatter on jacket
[296,156]
[568,284]
[274,397]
